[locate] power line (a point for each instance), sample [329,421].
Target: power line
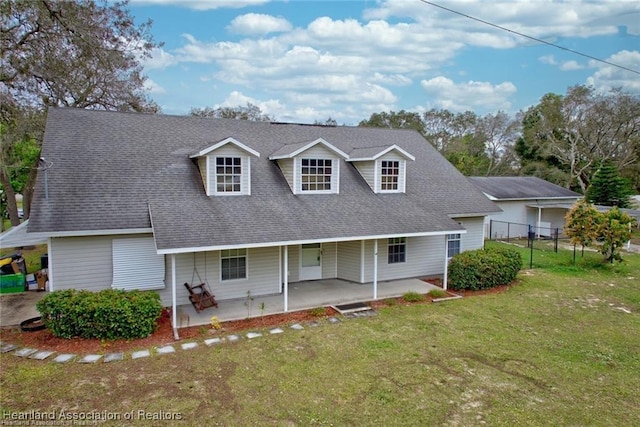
[531,37]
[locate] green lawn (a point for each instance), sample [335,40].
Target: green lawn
[561,347]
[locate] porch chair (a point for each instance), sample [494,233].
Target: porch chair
[200,296]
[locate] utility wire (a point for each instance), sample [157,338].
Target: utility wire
[531,37]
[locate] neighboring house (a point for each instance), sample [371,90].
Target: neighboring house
[525,201]
[137,201]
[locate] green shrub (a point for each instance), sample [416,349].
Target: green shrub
[108,314]
[413,297]
[318,311]
[483,268]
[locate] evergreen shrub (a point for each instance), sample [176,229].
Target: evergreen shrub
[483,268]
[109,314]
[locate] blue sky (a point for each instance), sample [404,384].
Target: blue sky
[302,61]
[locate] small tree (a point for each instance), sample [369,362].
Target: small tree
[613,233]
[582,223]
[609,230]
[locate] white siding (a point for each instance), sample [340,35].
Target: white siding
[424,257]
[286,166]
[82,262]
[329,260]
[348,263]
[294,263]
[367,171]
[202,166]
[474,237]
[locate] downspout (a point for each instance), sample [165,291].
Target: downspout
[174,307]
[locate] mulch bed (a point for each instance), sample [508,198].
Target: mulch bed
[45,340]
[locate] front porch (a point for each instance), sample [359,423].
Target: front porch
[302,296]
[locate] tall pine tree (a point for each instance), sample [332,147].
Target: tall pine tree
[608,188]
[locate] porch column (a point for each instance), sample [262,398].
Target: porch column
[539,219]
[286,278]
[446,262]
[174,307]
[375,269]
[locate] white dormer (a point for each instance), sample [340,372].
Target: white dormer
[384,168]
[225,168]
[311,167]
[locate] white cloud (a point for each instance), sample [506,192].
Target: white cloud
[202,4]
[153,87]
[160,59]
[470,95]
[258,24]
[570,66]
[548,59]
[609,77]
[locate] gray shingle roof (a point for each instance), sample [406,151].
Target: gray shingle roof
[114,171]
[521,188]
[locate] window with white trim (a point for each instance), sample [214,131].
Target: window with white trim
[453,245]
[233,264]
[397,250]
[228,174]
[315,174]
[389,174]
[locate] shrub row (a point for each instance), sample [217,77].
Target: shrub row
[483,268]
[109,314]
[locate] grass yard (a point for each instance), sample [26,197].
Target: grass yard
[561,347]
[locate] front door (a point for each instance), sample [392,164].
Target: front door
[311,262]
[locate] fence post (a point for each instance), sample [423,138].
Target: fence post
[530,234]
[555,246]
[490,229]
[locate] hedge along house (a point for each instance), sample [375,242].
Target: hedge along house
[136,201]
[526,201]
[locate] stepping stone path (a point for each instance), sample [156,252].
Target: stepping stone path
[32,353]
[113,357]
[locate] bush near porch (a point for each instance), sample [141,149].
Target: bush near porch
[109,314]
[483,268]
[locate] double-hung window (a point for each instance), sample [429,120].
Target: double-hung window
[315,174]
[228,174]
[233,264]
[390,171]
[453,244]
[397,250]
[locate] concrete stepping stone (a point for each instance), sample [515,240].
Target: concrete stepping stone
[276,331]
[140,354]
[24,352]
[233,338]
[64,358]
[166,349]
[313,324]
[297,326]
[90,358]
[41,355]
[252,335]
[212,341]
[7,348]
[334,320]
[189,345]
[113,357]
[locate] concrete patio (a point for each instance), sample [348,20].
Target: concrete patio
[302,296]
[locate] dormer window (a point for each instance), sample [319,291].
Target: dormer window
[316,174]
[225,168]
[310,167]
[228,174]
[384,168]
[389,175]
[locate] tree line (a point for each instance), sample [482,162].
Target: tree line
[87,54]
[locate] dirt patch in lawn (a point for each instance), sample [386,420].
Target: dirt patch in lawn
[45,340]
